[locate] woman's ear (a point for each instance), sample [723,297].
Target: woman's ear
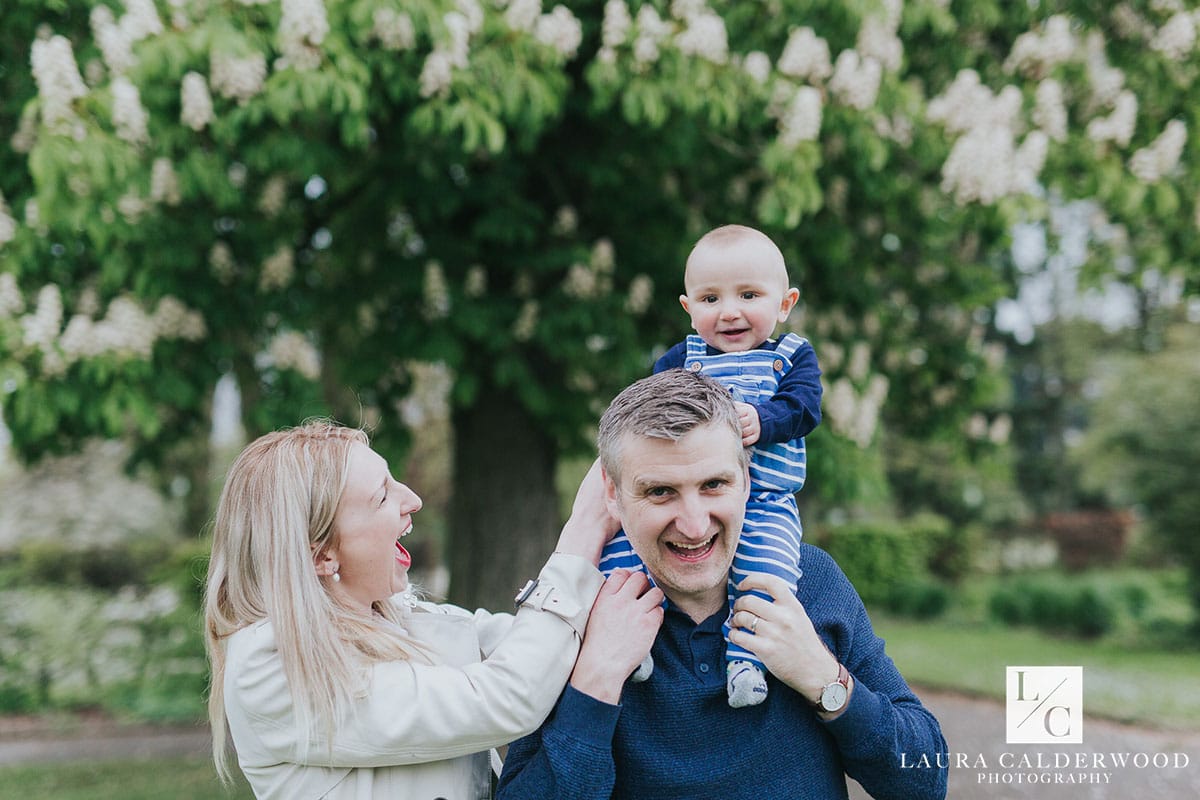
[325,561]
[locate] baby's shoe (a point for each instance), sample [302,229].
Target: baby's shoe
[745,683]
[644,670]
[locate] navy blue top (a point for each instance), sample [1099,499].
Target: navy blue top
[674,737]
[794,411]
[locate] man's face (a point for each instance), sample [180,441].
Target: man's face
[681,505]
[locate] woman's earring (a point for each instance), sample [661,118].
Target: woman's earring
[336,577]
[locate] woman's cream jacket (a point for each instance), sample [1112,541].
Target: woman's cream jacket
[418,732]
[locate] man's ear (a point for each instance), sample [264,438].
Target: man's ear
[612,499]
[790,297]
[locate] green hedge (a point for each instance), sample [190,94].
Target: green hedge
[1054,605]
[900,566]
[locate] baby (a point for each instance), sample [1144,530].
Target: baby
[736,294]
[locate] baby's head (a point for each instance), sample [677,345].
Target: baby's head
[736,288]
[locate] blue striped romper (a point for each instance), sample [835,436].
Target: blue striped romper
[771,532]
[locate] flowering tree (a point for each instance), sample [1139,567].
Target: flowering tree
[313,197]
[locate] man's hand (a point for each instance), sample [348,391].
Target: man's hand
[625,619]
[590,526]
[783,636]
[748,418]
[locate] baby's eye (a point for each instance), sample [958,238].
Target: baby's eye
[749,295]
[708,298]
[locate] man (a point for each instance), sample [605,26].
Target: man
[676,476]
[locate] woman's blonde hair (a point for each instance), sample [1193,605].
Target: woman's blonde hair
[275,513]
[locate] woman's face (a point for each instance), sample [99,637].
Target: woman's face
[374,512]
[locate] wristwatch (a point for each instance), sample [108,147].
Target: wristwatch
[526,592]
[835,693]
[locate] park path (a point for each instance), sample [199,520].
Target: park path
[974,730]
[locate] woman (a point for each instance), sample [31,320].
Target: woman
[333,681]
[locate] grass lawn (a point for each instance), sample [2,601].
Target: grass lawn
[1153,688]
[151,779]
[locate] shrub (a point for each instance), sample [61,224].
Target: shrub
[1054,605]
[878,557]
[919,599]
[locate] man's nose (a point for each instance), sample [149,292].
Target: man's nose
[692,519]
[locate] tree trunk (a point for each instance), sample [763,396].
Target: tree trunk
[504,515]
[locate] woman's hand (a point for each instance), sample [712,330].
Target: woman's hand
[590,526]
[625,619]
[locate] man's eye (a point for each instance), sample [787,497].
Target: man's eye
[715,483]
[659,491]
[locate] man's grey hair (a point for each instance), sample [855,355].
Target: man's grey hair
[666,406]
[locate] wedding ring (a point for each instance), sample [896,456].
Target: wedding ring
[754,625]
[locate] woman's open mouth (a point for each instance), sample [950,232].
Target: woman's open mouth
[402,555]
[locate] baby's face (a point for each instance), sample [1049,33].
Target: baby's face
[736,294]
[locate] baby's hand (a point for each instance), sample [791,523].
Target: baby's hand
[751,428]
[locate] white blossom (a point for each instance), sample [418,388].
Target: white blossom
[801,120]
[274,196]
[580,282]
[561,30]
[116,46]
[652,30]
[1130,24]
[173,320]
[129,117]
[1161,156]
[460,38]
[196,103]
[979,165]
[522,15]
[435,292]
[1035,53]
[472,11]
[1107,81]
[11,300]
[526,323]
[1049,112]
[855,80]
[437,73]
[475,284]
[237,78]
[614,30]
[1029,159]
[805,56]
[221,262]
[303,26]
[8,231]
[641,295]
[41,328]
[566,221]
[57,76]
[603,257]
[1177,38]
[757,65]
[164,182]
[278,269]
[140,20]
[1000,430]
[705,36]
[877,39]
[291,350]
[393,29]
[1117,127]
[688,9]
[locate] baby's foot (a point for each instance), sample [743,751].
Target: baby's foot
[644,670]
[745,683]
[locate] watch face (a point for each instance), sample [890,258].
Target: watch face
[834,697]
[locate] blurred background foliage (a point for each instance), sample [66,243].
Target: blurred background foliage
[462,225]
